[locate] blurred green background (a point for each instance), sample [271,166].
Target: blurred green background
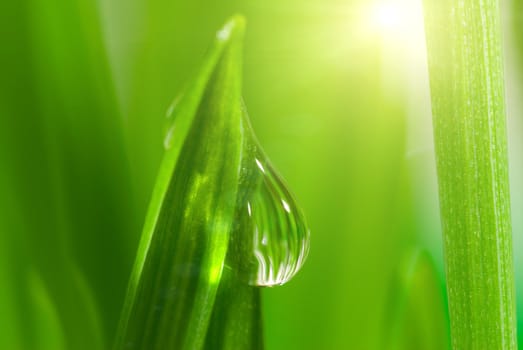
[337,92]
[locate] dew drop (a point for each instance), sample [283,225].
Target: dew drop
[274,230]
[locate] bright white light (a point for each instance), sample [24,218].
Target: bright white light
[286,206]
[260,165]
[224,33]
[387,16]
[396,17]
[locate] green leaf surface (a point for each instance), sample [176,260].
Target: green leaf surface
[467,88]
[177,282]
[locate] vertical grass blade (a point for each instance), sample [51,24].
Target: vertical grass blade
[416,316]
[467,88]
[178,278]
[35,229]
[81,127]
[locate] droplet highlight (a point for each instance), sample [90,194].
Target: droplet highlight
[271,225]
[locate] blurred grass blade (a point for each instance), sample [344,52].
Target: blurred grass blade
[12,263]
[416,316]
[183,251]
[39,232]
[49,332]
[89,174]
[516,24]
[466,76]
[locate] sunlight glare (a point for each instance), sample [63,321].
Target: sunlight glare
[387,16]
[395,17]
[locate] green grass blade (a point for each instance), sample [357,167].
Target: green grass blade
[416,315]
[49,331]
[236,322]
[82,131]
[516,22]
[466,75]
[13,333]
[182,255]
[36,232]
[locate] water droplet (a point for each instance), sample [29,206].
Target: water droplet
[274,231]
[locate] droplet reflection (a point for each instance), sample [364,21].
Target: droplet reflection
[275,226]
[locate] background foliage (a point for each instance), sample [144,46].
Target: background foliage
[337,97]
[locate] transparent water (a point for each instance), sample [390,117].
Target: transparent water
[269,224]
